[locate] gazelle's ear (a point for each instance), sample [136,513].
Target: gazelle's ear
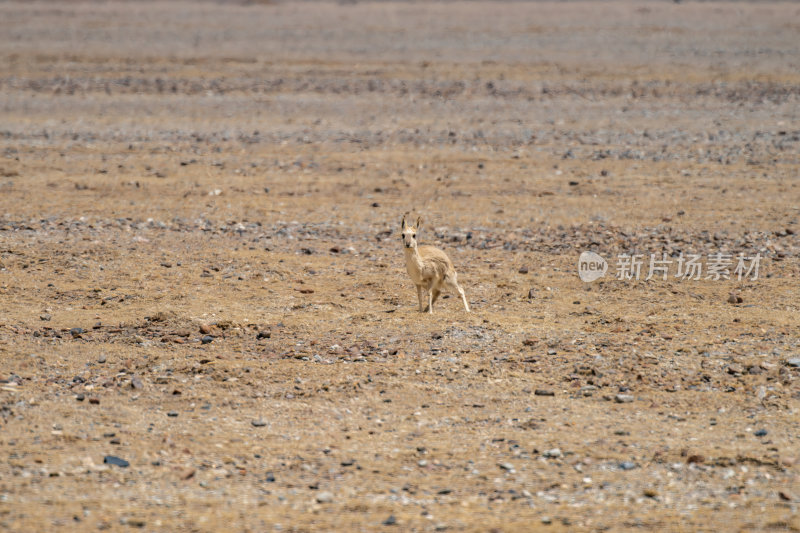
[419,223]
[403,223]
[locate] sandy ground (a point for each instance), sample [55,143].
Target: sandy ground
[201,272]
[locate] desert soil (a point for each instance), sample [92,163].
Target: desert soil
[205,319]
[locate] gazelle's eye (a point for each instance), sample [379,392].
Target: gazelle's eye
[413,235]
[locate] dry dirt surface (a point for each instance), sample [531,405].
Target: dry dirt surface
[205,319]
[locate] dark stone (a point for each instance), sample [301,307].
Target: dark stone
[113,460]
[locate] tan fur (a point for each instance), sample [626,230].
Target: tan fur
[429,267]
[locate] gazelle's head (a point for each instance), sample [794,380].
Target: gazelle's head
[409,233]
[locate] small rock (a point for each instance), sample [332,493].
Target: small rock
[205,329]
[116,461]
[258,423]
[172,414]
[696,459]
[76,332]
[133,522]
[348,462]
[623,398]
[547,520]
[794,362]
[94,401]
[735,369]
[508,467]
[80,397]
[543,392]
[786,496]
[324,497]
[553,454]
[270,477]
[45,317]
[627,465]
[101,359]
[391,521]
[523,270]
[650,493]
[264,334]
[734,298]
[206,339]
[761,433]
[136,383]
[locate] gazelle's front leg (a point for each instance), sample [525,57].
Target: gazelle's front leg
[430,298]
[419,298]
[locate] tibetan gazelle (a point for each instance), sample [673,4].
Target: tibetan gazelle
[429,268]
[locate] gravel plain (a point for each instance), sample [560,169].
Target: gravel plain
[205,319]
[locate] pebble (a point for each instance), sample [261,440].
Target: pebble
[133,522]
[506,466]
[206,339]
[76,332]
[794,362]
[264,334]
[544,392]
[136,383]
[80,397]
[172,413]
[761,433]
[94,401]
[270,477]
[554,453]
[259,423]
[46,317]
[102,359]
[324,497]
[205,329]
[116,461]
[627,465]
[391,521]
[623,398]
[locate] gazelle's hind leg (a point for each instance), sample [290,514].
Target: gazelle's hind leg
[435,292]
[452,281]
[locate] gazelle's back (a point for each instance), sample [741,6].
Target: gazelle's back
[435,262]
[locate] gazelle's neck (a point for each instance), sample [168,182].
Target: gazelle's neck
[413,259]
